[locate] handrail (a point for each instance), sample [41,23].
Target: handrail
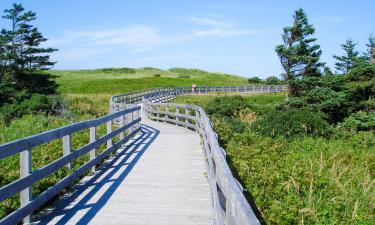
[229,203]
[128,126]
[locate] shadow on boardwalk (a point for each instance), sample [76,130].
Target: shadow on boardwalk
[103,184]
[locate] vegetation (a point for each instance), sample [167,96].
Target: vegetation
[296,167]
[96,81]
[23,87]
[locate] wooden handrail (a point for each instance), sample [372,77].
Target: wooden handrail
[28,177]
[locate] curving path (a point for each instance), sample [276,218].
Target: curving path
[159,177]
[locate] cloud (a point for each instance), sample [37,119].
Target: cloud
[331,19]
[215,27]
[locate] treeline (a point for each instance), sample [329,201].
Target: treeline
[25,87]
[345,96]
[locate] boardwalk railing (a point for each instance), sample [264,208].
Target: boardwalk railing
[117,101]
[128,127]
[229,202]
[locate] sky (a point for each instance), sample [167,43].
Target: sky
[230,36]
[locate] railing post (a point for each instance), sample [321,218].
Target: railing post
[93,151]
[67,146]
[121,122]
[187,113]
[109,130]
[25,170]
[269,88]
[166,115]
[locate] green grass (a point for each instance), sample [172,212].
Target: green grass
[305,180]
[116,81]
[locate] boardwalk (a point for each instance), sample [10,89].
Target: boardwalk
[158,178]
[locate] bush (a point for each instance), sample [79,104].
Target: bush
[226,106]
[360,121]
[37,104]
[157,75]
[183,76]
[292,123]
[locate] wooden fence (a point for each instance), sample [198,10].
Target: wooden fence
[229,202]
[128,127]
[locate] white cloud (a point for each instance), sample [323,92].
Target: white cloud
[207,21]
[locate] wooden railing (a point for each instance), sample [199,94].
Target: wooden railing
[136,97]
[128,125]
[229,202]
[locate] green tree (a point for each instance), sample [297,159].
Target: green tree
[349,60]
[299,55]
[272,80]
[255,80]
[22,49]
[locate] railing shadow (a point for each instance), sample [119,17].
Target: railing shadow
[128,157]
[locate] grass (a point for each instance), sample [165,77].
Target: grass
[305,180]
[116,81]
[88,93]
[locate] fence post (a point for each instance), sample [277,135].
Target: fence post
[121,122]
[269,87]
[67,146]
[25,170]
[109,130]
[93,151]
[187,113]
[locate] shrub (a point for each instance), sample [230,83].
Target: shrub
[37,104]
[360,121]
[183,76]
[157,75]
[292,123]
[226,106]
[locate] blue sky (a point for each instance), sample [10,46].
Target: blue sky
[236,36]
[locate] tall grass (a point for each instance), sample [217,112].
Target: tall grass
[303,180]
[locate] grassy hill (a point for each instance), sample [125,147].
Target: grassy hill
[121,80]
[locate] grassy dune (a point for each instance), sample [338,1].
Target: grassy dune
[122,80]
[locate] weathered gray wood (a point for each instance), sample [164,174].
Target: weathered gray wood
[92,140]
[30,142]
[25,170]
[167,185]
[67,145]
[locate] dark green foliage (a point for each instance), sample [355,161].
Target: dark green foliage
[255,80]
[226,106]
[292,123]
[299,56]
[183,76]
[118,70]
[272,80]
[360,121]
[157,75]
[346,62]
[23,87]
[37,104]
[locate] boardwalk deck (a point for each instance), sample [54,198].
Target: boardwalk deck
[158,180]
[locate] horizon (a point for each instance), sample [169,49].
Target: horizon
[233,38]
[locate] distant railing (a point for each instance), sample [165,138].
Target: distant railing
[229,203]
[128,120]
[136,97]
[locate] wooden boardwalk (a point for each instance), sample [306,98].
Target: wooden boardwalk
[157,178]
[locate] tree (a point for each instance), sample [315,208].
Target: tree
[371,49]
[349,60]
[272,80]
[255,80]
[298,54]
[22,49]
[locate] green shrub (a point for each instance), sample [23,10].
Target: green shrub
[292,123]
[226,106]
[183,76]
[360,121]
[157,75]
[37,104]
